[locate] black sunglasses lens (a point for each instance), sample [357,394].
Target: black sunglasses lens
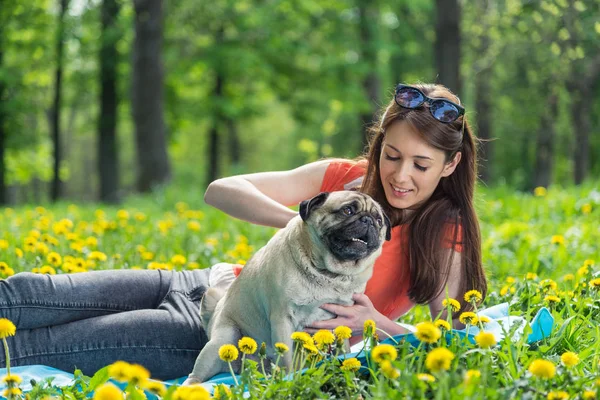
[409,97]
[444,111]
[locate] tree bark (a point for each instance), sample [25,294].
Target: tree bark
[213,136]
[368,14]
[3,188]
[147,96]
[56,188]
[108,158]
[447,44]
[544,157]
[483,115]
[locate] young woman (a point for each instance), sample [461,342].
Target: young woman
[421,166]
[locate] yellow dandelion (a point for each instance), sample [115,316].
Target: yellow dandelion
[485,340]
[3,266]
[281,348]
[350,364]
[427,332]
[91,242]
[7,328]
[583,271]
[228,352]
[342,332]
[531,276]
[247,345]
[54,258]
[108,391]
[302,337]
[542,369]
[472,376]
[558,240]
[178,259]
[504,291]
[439,359]
[323,337]
[586,208]
[97,255]
[548,284]
[595,283]
[312,349]
[589,395]
[12,392]
[3,244]
[46,269]
[568,277]
[443,325]
[551,299]
[369,327]
[569,359]
[467,318]
[193,226]
[138,373]
[155,387]
[12,379]
[192,392]
[119,371]
[510,279]
[453,303]
[588,263]
[473,296]
[122,214]
[19,252]
[480,319]
[383,352]
[388,370]
[221,392]
[540,191]
[558,395]
[426,378]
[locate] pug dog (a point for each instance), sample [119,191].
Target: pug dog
[324,255]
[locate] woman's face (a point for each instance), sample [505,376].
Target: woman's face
[410,168]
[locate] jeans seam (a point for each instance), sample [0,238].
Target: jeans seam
[71,306]
[50,353]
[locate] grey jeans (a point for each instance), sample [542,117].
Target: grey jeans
[92,319]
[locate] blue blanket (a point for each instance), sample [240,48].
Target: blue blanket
[541,325]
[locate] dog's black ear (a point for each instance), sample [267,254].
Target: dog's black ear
[388,223]
[307,206]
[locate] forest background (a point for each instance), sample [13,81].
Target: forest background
[100,99]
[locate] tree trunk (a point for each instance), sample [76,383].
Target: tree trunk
[447,44]
[56,188]
[368,14]
[483,115]
[544,157]
[3,188]
[108,158]
[581,111]
[213,138]
[235,152]
[147,96]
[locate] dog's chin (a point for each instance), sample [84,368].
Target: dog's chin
[345,246]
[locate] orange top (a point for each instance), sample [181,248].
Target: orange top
[388,287]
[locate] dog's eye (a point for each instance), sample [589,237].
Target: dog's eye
[379,221]
[347,210]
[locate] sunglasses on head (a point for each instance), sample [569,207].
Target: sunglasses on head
[440,108]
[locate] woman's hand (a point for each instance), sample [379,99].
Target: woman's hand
[353,316]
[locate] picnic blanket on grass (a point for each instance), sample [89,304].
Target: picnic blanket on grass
[501,323]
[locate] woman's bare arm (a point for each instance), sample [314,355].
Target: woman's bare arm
[262,198]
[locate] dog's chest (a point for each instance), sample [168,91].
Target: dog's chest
[306,310]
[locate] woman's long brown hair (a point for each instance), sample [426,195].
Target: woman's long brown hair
[450,205]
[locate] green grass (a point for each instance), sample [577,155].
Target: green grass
[527,241]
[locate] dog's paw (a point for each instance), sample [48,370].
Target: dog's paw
[191,380]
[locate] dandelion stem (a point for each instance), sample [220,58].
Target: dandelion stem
[7,354]
[232,373]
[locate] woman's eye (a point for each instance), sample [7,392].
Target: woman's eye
[420,168]
[387,157]
[347,210]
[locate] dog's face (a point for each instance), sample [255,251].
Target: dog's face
[348,225]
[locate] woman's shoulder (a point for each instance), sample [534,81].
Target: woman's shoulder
[343,174]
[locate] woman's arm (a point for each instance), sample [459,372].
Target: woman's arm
[262,198]
[438,311]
